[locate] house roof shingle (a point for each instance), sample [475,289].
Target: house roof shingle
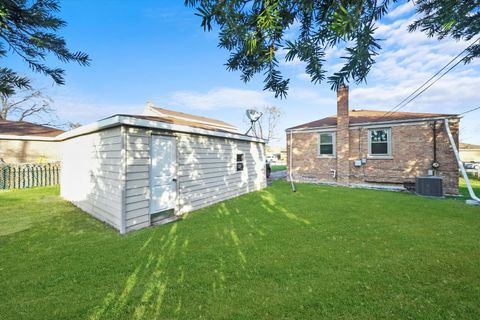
[190,117]
[369,116]
[23,128]
[175,121]
[182,122]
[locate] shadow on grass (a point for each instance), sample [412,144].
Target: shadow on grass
[321,251]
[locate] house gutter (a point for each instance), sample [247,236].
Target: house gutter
[475,200]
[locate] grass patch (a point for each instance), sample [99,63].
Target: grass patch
[278,167]
[463,187]
[322,252]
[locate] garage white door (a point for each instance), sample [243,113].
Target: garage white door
[163,185]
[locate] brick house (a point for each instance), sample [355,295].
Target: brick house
[372,148]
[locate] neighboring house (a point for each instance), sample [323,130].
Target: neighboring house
[469,152]
[365,147]
[133,171]
[25,142]
[276,153]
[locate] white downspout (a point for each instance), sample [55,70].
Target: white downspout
[460,164]
[290,162]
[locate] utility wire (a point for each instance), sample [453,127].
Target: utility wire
[427,87]
[407,100]
[468,111]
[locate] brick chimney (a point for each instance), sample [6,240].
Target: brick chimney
[343,136]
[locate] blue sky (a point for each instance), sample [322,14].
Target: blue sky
[156,51]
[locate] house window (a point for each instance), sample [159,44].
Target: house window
[380,143]
[326,146]
[239,162]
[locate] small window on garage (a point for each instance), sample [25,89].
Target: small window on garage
[326,146]
[240,162]
[379,143]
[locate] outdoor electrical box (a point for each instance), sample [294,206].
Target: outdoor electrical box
[358,163]
[429,186]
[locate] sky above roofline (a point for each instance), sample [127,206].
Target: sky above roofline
[156,51]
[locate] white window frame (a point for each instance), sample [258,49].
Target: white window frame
[334,144]
[387,155]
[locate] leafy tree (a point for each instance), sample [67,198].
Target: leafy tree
[254,31]
[29,29]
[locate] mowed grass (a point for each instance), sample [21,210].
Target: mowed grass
[277,167]
[322,252]
[464,190]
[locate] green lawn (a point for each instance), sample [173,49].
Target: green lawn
[278,167]
[475,186]
[328,252]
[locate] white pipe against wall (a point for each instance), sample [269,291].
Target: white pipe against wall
[460,163]
[290,162]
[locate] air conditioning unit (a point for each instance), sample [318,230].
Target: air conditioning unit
[429,186]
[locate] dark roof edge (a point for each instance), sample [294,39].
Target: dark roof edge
[302,128]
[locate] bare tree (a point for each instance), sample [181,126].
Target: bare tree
[269,121]
[30,105]
[72,125]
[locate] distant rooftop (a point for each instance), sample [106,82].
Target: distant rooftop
[207,123]
[469,146]
[23,128]
[369,116]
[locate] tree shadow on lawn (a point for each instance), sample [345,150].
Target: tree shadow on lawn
[199,266]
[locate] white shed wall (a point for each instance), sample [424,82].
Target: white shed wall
[206,172]
[91,174]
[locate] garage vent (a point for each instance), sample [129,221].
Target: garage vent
[430,186]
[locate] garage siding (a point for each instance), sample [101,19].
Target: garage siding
[206,172]
[91,174]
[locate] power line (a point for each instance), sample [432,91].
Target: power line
[468,111]
[407,100]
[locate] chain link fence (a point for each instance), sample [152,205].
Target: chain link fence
[28,175]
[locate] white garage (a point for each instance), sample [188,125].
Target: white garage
[132,171]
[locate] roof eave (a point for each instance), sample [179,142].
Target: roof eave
[132,121]
[365,124]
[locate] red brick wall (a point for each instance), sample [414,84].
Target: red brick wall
[412,155]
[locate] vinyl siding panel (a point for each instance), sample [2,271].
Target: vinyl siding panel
[206,172]
[137,182]
[91,174]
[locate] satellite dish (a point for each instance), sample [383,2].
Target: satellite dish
[253,115]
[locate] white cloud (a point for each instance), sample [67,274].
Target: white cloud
[76,109]
[219,98]
[304,76]
[406,61]
[401,10]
